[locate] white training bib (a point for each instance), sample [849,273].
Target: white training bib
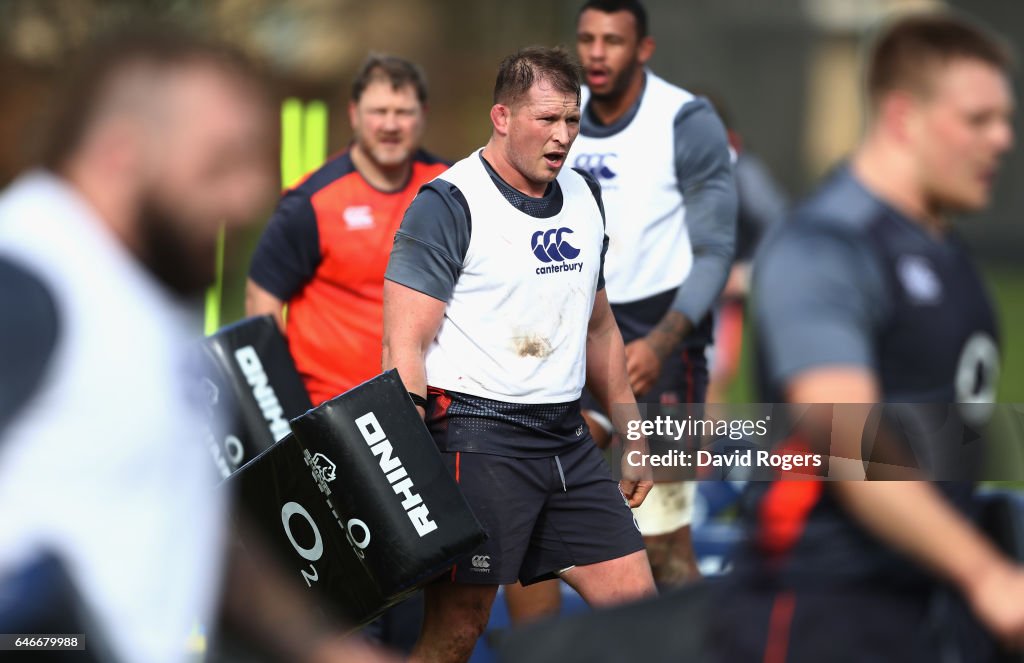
[649,247]
[515,328]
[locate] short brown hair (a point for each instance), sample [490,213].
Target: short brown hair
[519,71]
[156,46]
[906,52]
[395,70]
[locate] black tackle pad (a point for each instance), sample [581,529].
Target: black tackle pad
[250,380]
[281,493]
[357,501]
[391,477]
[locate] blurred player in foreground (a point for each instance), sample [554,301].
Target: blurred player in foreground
[867,295]
[107,494]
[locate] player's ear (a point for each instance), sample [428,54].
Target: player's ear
[500,116]
[896,113]
[353,115]
[125,148]
[645,49]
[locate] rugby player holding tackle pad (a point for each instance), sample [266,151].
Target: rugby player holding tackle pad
[495,315]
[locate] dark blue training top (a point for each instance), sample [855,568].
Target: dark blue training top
[849,280]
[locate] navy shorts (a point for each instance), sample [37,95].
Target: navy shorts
[542,515]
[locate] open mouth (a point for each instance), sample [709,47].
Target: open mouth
[554,159]
[597,77]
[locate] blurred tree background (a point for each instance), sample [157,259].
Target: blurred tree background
[787,70]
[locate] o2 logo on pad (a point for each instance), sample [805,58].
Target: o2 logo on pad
[551,245]
[598,165]
[313,552]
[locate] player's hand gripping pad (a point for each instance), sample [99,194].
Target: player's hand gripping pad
[251,380]
[359,501]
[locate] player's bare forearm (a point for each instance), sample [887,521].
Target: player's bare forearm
[852,389]
[908,515]
[411,321]
[667,334]
[912,517]
[408,360]
[260,302]
[607,379]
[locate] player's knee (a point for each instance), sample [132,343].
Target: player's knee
[460,620]
[465,635]
[672,559]
[474,616]
[459,637]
